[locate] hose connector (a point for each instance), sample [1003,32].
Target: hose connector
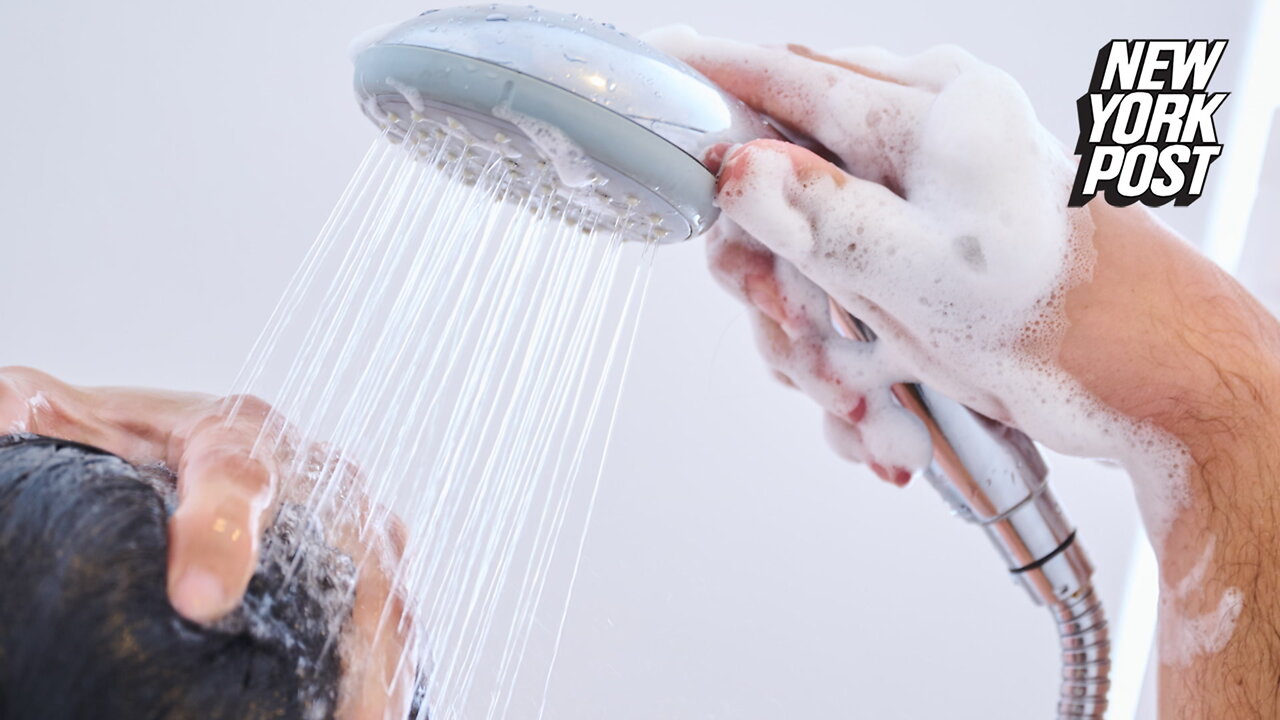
[993,476]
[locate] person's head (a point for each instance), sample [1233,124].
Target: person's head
[86,629]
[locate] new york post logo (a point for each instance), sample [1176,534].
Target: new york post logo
[1146,124]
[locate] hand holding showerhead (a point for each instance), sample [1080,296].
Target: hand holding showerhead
[943,160]
[941,227]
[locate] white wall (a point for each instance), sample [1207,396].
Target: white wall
[163,166]
[1260,264]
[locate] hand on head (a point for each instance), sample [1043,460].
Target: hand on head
[232,457]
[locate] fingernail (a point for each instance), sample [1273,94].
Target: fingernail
[901,477]
[879,470]
[859,411]
[730,166]
[714,156]
[199,595]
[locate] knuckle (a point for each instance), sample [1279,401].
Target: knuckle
[249,407]
[251,418]
[397,535]
[16,380]
[238,468]
[10,392]
[20,396]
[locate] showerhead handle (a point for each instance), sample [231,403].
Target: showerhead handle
[992,475]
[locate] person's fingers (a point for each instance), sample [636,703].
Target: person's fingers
[844,438]
[791,321]
[713,156]
[35,402]
[379,676]
[848,399]
[837,230]
[225,489]
[15,400]
[895,438]
[758,189]
[744,267]
[868,120]
[134,424]
[379,659]
[848,440]
[805,362]
[225,483]
[802,347]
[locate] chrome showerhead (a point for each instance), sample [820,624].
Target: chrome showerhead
[619,127]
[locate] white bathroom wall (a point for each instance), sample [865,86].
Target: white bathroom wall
[1260,262]
[164,165]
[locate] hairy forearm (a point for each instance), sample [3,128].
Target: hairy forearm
[1219,625]
[1165,337]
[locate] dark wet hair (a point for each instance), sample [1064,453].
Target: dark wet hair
[86,629]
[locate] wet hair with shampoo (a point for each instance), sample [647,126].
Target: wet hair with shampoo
[86,629]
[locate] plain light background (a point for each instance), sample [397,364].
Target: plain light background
[164,165]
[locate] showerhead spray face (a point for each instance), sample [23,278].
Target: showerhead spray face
[620,126]
[608,129]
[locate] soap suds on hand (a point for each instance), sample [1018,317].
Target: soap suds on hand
[955,245]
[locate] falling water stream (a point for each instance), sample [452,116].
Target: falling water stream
[456,344]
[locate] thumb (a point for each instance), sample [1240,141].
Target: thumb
[831,225]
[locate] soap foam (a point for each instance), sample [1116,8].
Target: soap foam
[1185,637]
[572,164]
[965,282]
[411,94]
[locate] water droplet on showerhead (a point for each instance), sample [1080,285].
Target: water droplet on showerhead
[612,85]
[574,58]
[496,17]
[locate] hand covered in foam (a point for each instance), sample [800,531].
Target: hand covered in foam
[943,225]
[235,460]
[946,231]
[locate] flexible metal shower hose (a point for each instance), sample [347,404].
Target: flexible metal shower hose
[1086,651]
